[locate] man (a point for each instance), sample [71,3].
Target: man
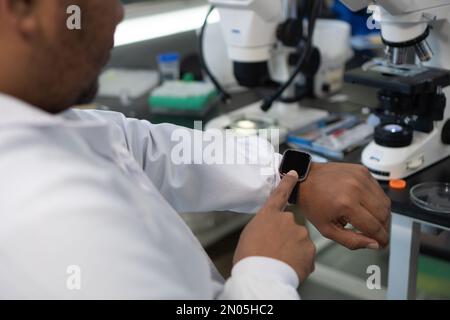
[89,200]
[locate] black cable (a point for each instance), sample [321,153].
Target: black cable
[224,95]
[306,54]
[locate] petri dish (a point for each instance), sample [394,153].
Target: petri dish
[251,125]
[432,196]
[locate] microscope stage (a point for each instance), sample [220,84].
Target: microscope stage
[408,80]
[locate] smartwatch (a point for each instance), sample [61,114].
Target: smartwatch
[299,162]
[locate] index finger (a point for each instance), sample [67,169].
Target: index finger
[280,197]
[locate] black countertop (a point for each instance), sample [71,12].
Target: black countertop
[402,204]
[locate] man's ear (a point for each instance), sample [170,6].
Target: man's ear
[23,14]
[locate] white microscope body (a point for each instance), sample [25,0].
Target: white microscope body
[250,31]
[249,27]
[403,21]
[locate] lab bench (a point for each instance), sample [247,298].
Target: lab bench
[407,218]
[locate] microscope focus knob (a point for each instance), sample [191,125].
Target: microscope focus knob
[446,133]
[393,135]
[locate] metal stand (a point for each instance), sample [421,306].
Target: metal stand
[405,243]
[404,255]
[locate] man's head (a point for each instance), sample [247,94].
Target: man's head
[43,61]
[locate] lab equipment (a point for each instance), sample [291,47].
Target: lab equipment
[282,118]
[334,137]
[169,66]
[251,126]
[126,83]
[216,56]
[432,196]
[413,109]
[329,78]
[270,41]
[182,97]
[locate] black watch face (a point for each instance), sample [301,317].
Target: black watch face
[297,161]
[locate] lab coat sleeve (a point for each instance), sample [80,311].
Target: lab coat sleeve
[76,232]
[261,278]
[196,171]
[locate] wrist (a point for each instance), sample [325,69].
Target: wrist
[305,188]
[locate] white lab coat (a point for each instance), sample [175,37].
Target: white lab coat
[89,206]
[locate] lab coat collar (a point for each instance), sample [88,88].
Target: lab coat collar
[14,112]
[17,112]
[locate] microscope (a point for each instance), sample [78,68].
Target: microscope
[414,128]
[263,40]
[413,111]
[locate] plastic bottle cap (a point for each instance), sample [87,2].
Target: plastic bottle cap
[398,184]
[168,57]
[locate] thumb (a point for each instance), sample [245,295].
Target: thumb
[280,197]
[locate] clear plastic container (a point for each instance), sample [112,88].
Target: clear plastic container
[334,55]
[432,196]
[169,66]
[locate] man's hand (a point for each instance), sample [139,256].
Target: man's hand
[339,194]
[273,233]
